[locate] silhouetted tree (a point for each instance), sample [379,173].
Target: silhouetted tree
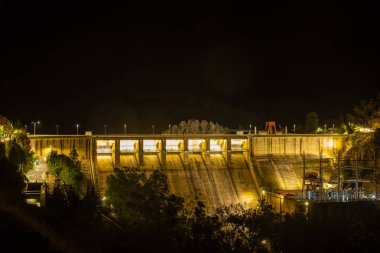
[311,122]
[366,113]
[11,179]
[144,206]
[192,126]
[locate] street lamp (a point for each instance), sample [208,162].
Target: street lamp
[250,128]
[77,128]
[56,126]
[105,129]
[26,128]
[153,128]
[34,126]
[294,128]
[125,128]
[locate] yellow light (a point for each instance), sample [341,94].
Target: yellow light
[173,145]
[128,145]
[306,203]
[263,192]
[104,146]
[247,198]
[237,144]
[365,130]
[216,145]
[263,241]
[150,145]
[195,144]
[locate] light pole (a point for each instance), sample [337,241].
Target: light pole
[153,128]
[250,128]
[26,128]
[294,128]
[105,129]
[34,126]
[77,128]
[170,128]
[56,126]
[125,128]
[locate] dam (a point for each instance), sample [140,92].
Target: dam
[219,169]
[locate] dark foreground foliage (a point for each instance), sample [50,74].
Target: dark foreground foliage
[140,215]
[141,206]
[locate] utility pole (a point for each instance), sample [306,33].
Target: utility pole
[339,176]
[357,180]
[321,175]
[303,175]
[374,175]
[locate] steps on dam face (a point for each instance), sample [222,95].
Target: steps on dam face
[286,171]
[105,163]
[129,161]
[209,178]
[85,167]
[178,177]
[279,172]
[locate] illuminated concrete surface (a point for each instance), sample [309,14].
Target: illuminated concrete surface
[217,169]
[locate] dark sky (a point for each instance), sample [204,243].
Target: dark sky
[158,62]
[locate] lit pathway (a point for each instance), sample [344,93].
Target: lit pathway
[37,173]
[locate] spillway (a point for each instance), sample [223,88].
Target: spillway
[211,179]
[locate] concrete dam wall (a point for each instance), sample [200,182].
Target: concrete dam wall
[217,169]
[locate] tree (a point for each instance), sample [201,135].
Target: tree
[193,126]
[11,180]
[15,153]
[68,169]
[6,128]
[204,127]
[18,148]
[366,113]
[311,122]
[144,205]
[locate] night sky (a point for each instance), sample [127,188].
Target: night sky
[159,62]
